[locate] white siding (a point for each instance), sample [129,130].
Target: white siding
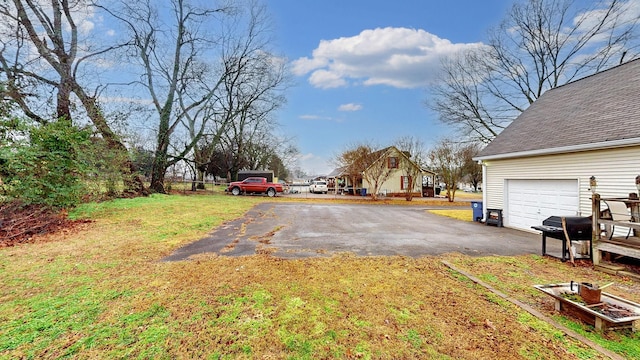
[393,184]
[615,171]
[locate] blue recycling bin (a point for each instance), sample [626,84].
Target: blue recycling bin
[477,210]
[363,192]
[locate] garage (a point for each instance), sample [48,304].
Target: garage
[529,202]
[588,128]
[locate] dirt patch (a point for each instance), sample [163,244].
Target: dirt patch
[28,223]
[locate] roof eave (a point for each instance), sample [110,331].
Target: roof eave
[563,149]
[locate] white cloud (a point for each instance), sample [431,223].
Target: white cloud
[628,10]
[326,79]
[305,65]
[86,26]
[306,157]
[314,117]
[104,63]
[628,13]
[318,118]
[350,107]
[398,57]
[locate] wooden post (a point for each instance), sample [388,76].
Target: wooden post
[558,305]
[568,239]
[595,230]
[600,325]
[635,210]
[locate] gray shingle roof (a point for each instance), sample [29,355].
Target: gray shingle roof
[601,107]
[337,172]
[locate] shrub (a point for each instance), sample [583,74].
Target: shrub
[40,163]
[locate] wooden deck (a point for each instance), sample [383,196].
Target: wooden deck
[617,245]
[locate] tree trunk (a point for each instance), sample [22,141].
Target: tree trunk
[157,175]
[201,158]
[200,179]
[63,107]
[160,163]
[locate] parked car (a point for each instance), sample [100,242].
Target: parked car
[318,186]
[254,185]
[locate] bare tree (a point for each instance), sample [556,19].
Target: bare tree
[251,91]
[353,162]
[378,170]
[248,139]
[170,48]
[447,159]
[363,162]
[42,57]
[269,150]
[462,101]
[191,72]
[287,155]
[412,163]
[540,45]
[472,170]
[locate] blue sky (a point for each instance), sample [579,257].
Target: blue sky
[361,68]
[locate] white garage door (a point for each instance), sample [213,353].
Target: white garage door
[529,202]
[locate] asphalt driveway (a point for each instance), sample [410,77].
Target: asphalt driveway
[297,230]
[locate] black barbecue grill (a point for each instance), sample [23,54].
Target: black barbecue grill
[578,228]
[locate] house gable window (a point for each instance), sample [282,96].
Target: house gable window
[405,182]
[392,162]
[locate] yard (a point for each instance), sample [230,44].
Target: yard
[99,291]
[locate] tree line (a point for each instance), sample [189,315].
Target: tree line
[159,83]
[111,94]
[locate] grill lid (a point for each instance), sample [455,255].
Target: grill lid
[578,227]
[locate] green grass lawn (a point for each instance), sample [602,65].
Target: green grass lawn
[458,214]
[101,292]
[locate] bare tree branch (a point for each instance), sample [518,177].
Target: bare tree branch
[540,45]
[50,71]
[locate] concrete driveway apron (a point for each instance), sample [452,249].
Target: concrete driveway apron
[297,230]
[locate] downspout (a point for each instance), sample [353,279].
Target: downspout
[484,191]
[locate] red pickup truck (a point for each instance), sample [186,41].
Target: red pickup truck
[254,185]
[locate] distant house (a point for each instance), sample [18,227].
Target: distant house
[540,165]
[396,183]
[336,179]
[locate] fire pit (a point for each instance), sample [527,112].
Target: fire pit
[611,313]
